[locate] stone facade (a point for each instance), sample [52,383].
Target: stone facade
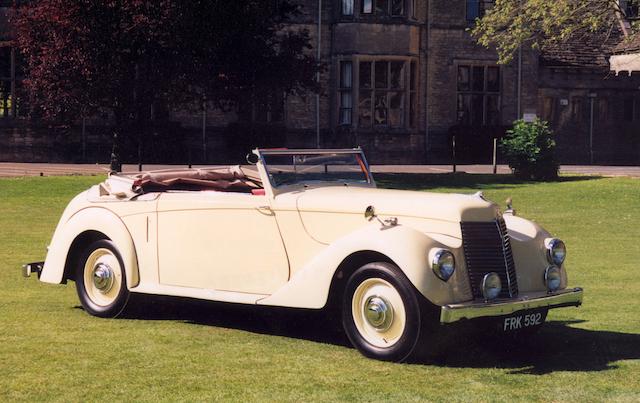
[401,78]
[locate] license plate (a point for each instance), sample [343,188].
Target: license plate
[517,322]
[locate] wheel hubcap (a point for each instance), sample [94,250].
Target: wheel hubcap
[103,277]
[379,313]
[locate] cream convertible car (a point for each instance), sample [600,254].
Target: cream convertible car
[309,229]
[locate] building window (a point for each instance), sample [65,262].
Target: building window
[414,10]
[11,105]
[478,8]
[382,7]
[630,110]
[413,93]
[602,109]
[384,95]
[346,93]
[630,8]
[367,7]
[347,7]
[548,108]
[264,110]
[479,95]
[578,106]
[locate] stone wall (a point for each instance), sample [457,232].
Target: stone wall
[434,36]
[565,98]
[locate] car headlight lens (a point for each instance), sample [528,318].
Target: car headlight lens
[443,264]
[552,278]
[491,286]
[556,251]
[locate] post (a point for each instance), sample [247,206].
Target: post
[495,155]
[592,98]
[204,130]
[519,100]
[318,56]
[84,139]
[14,99]
[115,164]
[453,144]
[139,150]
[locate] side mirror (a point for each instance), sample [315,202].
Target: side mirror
[252,158]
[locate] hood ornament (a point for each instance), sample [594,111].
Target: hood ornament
[510,209]
[370,214]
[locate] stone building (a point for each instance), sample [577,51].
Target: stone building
[401,78]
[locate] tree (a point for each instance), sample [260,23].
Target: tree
[512,23]
[121,56]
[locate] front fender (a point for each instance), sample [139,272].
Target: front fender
[405,246]
[89,219]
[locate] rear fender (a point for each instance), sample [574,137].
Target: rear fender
[96,219]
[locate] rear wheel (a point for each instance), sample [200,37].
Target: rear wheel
[380,313]
[101,280]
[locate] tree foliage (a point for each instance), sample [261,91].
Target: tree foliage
[512,23]
[86,56]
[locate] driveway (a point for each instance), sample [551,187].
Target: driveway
[12,169]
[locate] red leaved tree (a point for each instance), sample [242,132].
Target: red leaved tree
[120,56]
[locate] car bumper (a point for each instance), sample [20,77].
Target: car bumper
[30,268]
[472,310]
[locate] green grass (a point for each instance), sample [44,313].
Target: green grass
[184,350]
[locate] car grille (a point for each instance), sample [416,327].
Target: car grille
[487,249]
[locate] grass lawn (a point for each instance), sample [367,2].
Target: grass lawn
[184,350]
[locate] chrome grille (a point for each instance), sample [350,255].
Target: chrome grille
[487,249]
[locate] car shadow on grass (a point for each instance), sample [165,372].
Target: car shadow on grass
[407,181]
[312,325]
[558,346]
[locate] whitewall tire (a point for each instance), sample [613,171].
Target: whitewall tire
[381,313]
[101,281]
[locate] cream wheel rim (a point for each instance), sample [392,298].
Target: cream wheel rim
[102,277]
[378,312]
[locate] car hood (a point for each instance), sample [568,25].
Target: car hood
[398,203]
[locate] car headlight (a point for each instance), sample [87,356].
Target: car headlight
[556,251]
[491,286]
[552,278]
[443,264]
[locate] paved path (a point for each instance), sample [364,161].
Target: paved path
[11,169]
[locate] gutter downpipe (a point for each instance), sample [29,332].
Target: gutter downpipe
[592,98]
[426,86]
[318,56]
[519,82]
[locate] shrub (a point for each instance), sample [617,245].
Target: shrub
[530,150]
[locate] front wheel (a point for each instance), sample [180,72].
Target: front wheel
[380,313]
[101,281]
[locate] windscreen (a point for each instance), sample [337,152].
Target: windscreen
[306,169]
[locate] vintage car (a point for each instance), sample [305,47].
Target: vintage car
[309,229]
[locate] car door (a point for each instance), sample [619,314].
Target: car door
[220,240]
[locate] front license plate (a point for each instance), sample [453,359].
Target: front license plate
[517,322]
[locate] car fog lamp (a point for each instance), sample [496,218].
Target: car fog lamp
[491,286]
[552,278]
[556,251]
[443,264]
